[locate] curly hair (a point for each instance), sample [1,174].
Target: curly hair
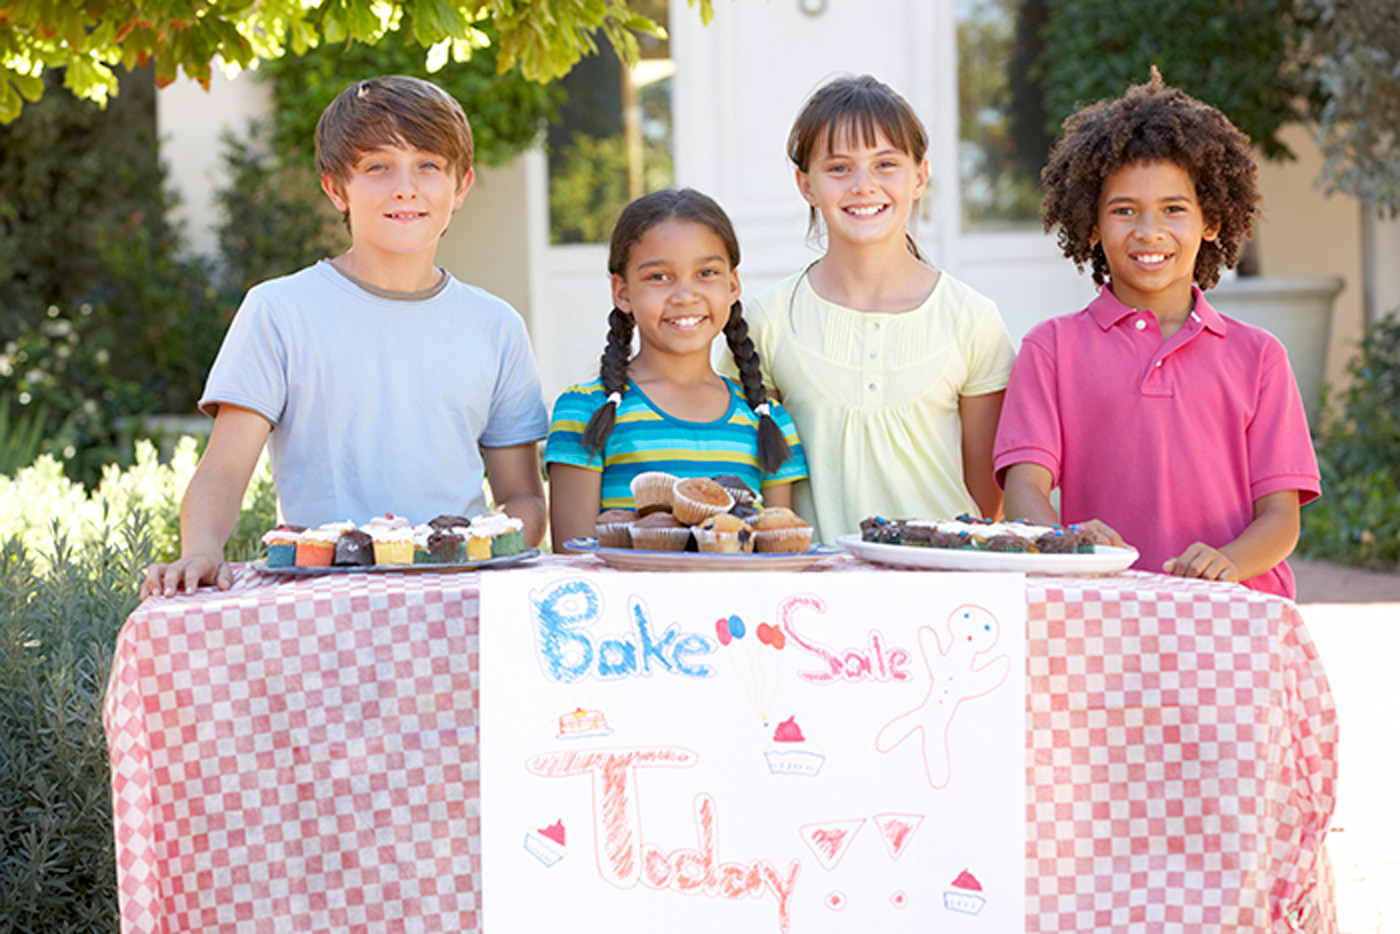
[1152,122]
[636,219]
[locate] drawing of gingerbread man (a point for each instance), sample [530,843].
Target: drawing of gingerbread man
[957,672]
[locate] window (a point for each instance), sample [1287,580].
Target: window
[613,141]
[1002,136]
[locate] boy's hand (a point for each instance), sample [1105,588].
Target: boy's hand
[187,574]
[1102,533]
[1203,561]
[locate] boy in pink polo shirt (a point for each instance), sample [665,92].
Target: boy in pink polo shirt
[1163,422]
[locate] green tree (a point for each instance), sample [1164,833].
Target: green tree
[89,39]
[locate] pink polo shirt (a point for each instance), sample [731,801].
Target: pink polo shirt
[1168,442]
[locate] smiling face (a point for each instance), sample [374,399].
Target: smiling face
[864,189]
[678,287]
[399,201]
[1151,227]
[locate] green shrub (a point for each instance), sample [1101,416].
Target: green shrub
[1357,518]
[70,567]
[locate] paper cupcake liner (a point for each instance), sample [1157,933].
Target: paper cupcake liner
[784,540]
[732,543]
[660,539]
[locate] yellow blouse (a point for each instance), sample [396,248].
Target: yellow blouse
[875,397]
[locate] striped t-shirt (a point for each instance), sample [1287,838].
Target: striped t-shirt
[645,438]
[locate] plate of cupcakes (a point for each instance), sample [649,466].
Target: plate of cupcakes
[700,524]
[391,543]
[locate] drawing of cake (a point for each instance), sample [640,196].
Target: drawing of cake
[579,723]
[791,753]
[964,895]
[547,843]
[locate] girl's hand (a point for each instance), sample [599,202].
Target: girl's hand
[1201,560]
[1102,533]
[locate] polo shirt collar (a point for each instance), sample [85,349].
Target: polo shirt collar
[1107,310]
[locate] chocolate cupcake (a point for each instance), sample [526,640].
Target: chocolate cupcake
[354,548]
[614,528]
[659,531]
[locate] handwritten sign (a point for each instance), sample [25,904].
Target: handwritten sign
[753,752]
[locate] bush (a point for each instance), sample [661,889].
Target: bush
[1357,518]
[70,567]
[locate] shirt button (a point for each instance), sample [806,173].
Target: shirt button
[874,325]
[1159,363]
[873,387]
[874,354]
[1140,324]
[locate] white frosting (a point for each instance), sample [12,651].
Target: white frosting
[388,521]
[497,523]
[984,531]
[280,537]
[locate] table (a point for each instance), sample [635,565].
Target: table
[299,755]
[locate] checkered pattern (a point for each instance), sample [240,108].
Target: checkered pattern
[300,756]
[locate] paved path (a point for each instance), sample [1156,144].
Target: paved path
[1354,618]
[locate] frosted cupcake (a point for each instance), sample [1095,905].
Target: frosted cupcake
[392,545]
[507,533]
[652,491]
[316,547]
[354,548]
[281,545]
[478,541]
[695,499]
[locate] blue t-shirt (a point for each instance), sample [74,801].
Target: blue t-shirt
[645,438]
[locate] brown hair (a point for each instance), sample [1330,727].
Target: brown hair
[856,106]
[636,219]
[394,110]
[1152,122]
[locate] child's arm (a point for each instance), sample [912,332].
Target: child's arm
[210,506]
[1028,497]
[979,416]
[516,486]
[1266,541]
[778,494]
[575,494]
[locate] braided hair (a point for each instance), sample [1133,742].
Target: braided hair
[636,219]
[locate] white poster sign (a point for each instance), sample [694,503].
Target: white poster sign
[753,752]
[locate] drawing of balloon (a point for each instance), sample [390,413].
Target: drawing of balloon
[722,631]
[761,665]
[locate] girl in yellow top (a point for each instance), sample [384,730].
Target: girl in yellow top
[893,370]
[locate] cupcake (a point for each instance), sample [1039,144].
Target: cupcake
[316,547]
[355,548]
[447,546]
[392,545]
[507,533]
[478,544]
[652,491]
[659,531]
[281,545]
[742,493]
[614,528]
[695,499]
[774,531]
[724,534]
[386,521]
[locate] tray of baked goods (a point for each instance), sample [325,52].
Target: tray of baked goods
[391,543]
[700,524]
[974,544]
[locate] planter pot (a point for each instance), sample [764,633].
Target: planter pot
[1295,309]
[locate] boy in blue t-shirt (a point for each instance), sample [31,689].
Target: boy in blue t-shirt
[377,381]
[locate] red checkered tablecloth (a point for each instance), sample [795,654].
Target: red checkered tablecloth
[300,755]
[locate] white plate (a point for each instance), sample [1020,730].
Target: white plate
[632,559]
[1105,560]
[529,554]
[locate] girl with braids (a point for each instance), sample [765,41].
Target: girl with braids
[675,287]
[893,369]
[1160,420]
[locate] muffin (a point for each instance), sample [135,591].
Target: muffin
[724,534]
[614,528]
[736,487]
[695,499]
[652,491]
[659,531]
[776,532]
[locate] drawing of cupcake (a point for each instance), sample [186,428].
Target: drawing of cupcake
[964,895]
[547,843]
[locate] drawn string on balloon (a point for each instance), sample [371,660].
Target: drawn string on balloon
[760,686]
